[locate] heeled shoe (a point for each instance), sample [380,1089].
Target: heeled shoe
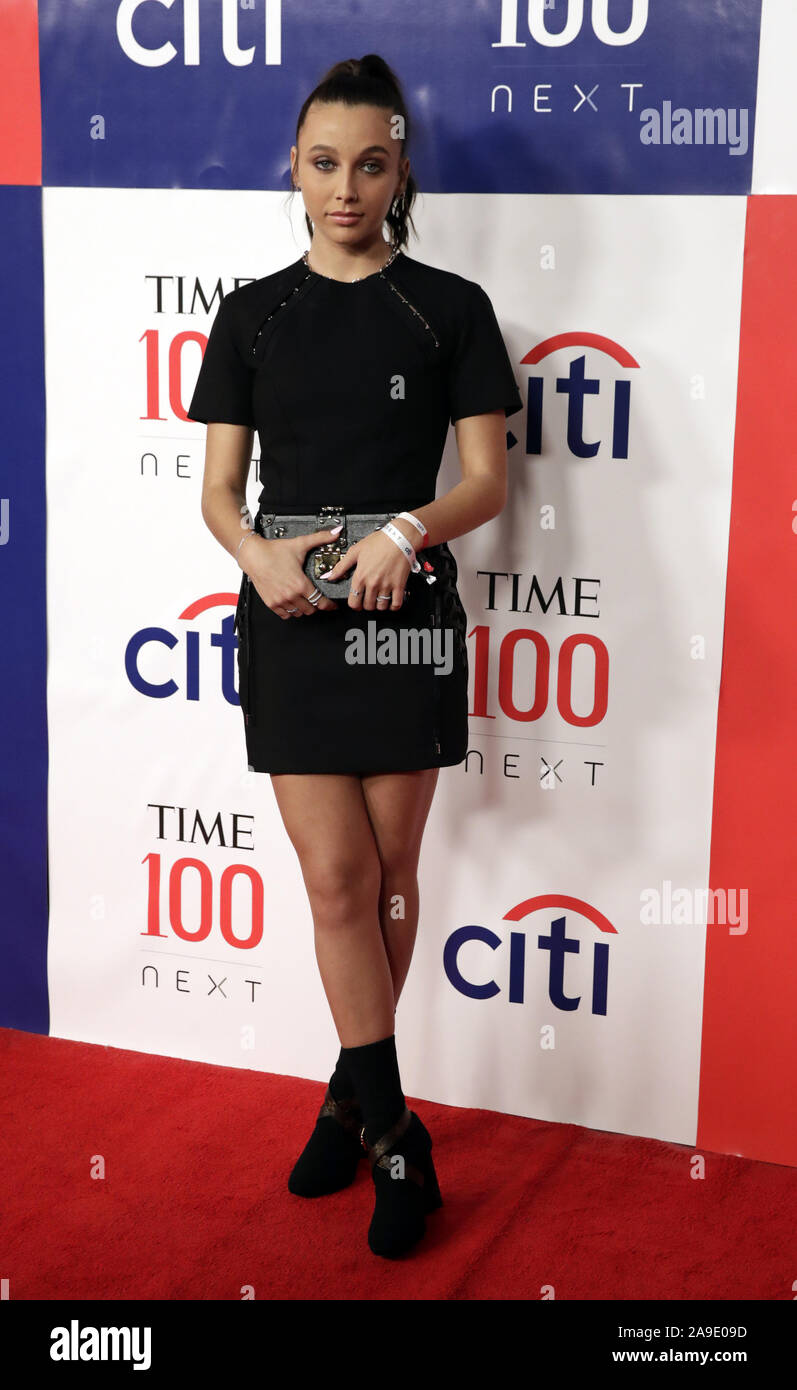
[331,1156]
[403,1200]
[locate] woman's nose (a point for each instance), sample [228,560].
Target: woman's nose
[347,190]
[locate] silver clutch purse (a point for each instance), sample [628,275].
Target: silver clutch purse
[321,558]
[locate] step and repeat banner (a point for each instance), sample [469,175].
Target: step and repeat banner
[605,933]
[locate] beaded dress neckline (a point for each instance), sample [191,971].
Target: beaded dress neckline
[310,279]
[360,279]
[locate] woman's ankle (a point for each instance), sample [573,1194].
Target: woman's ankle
[374,1070]
[341,1085]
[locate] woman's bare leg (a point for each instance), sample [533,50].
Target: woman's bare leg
[327,822]
[398,806]
[358,842]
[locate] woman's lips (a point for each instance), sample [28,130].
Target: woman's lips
[345,217]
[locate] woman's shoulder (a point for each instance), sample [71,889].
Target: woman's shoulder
[451,298]
[436,280]
[247,300]
[245,308]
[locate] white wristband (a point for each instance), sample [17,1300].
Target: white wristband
[401,541]
[408,516]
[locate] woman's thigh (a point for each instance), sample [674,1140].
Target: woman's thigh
[398,805]
[327,822]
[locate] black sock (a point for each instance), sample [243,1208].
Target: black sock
[374,1071]
[340,1083]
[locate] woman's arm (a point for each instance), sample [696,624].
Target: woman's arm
[481,495]
[228,455]
[275,567]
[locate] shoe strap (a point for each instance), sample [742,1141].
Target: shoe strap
[388,1139]
[378,1155]
[346,1112]
[410,1171]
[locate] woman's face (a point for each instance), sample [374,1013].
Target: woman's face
[348,162]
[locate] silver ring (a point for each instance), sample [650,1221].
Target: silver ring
[356,592]
[383,596]
[291,610]
[313,597]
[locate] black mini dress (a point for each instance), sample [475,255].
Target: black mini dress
[351,387]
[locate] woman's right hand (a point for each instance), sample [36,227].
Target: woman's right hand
[275,569]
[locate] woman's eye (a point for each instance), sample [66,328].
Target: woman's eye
[377,167]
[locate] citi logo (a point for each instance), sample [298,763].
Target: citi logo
[568,31]
[160,663]
[575,387]
[76,1343]
[510,964]
[153,39]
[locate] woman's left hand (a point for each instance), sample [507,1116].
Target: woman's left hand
[381,568]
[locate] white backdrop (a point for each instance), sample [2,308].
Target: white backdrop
[661,278]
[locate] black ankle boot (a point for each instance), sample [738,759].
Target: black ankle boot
[404,1193]
[331,1155]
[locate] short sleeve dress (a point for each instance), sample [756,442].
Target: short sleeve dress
[351,387]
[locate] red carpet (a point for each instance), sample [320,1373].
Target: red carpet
[194,1203]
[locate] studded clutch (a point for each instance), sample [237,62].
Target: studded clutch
[321,558]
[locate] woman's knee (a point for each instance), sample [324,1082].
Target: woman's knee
[398,859]
[341,884]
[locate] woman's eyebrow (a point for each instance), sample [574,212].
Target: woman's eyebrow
[367,149]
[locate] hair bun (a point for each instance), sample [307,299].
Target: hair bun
[373,65]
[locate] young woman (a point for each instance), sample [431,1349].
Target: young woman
[350,363]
